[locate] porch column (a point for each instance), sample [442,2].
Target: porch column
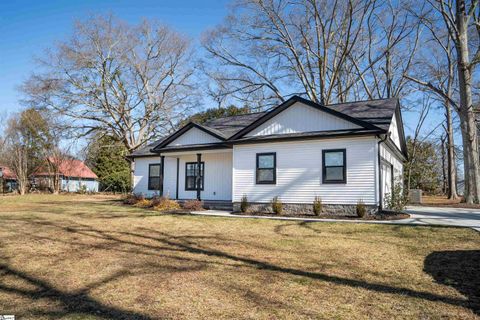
[198,178]
[162,170]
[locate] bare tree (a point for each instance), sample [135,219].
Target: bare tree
[16,153]
[461,19]
[132,82]
[330,51]
[422,116]
[435,72]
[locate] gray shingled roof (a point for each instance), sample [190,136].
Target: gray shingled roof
[228,126]
[145,151]
[376,112]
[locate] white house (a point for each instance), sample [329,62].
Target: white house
[297,151]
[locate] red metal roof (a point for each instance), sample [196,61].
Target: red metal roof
[7,173]
[72,168]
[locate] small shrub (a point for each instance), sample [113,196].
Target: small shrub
[193,205]
[82,189]
[317,206]
[244,204]
[145,203]
[132,199]
[361,209]
[277,206]
[157,200]
[165,204]
[396,200]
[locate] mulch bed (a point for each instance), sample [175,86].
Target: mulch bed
[380,216]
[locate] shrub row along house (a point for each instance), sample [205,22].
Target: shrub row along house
[343,153]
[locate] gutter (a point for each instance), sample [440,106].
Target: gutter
[380,198]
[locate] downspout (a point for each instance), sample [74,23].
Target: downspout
[380,197]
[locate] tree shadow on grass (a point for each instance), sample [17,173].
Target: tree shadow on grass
[184,244]
[158,242]
[459,269]
[71,302]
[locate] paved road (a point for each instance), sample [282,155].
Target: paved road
[459,217]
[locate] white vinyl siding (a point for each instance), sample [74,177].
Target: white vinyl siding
[390,157]
[217,180]
[193,136]
[301,118]
[394,132]
[140,175]
[299,172]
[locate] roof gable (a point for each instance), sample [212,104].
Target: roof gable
[191,134]
[292,101]
[300,117]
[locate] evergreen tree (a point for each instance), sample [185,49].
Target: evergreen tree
[424,166]
[106,157]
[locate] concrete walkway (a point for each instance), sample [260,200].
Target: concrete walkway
[456,217]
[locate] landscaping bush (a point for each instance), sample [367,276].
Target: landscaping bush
[132,199]
[244,204]
[82,189]
[396,200]
[193,205]
[145,203]
[361,209]
[277,206]
[164,204]
[317,206]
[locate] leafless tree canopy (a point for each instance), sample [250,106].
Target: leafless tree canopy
[132,82]
[268,50]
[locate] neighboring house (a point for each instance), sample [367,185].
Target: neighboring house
[74,176]
[297,151]
[8,179]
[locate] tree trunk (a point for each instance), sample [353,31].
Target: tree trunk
[451,164]
[444,165]
[467,116]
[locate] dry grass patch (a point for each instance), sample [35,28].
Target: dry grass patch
[65,257]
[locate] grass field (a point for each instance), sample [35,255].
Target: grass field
[85,257]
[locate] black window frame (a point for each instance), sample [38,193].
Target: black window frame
[257,169]
[324,167]
[159,177]
[202,176]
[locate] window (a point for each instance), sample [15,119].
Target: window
[154,178]
[334,166]
[266,168]
[191,175]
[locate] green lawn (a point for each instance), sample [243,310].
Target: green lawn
[85,257]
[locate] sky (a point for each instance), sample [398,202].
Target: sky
[28,27]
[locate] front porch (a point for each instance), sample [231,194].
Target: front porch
[198,174]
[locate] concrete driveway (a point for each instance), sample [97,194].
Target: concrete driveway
[458,217]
